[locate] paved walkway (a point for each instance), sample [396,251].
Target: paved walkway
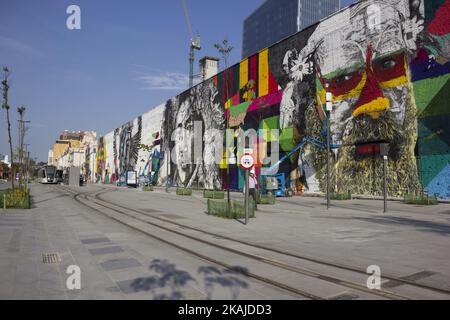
[408,241]
[114,260]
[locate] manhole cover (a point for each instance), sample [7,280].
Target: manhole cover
[50,258]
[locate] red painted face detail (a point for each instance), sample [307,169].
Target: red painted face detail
[389,68]
[383,70]
[370,92]
[344,83]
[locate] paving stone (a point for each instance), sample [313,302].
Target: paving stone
[95,240]
[116,264]
[14,243]
[107,250]
[126,286]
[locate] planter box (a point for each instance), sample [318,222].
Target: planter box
[17,199]
[148,188]
[423,200]
[267,199]
[237,210]
[184,192]
[213,194]
[340,196]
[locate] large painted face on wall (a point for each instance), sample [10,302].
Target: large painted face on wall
[129,141]
[365,67]
[182,136]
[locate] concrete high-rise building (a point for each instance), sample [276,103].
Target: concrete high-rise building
[277,19]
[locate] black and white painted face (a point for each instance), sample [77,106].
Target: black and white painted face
[183,138]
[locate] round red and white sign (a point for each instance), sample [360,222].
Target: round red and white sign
[247,161]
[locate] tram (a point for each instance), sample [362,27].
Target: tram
[47,175]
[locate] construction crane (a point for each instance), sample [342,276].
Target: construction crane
[194,45]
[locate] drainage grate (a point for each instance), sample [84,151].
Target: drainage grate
[50,258]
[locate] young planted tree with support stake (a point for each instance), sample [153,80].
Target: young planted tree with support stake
[5,106]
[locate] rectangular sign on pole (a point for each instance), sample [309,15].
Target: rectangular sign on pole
[132,178]
[247,162]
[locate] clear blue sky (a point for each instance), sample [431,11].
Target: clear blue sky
[128,57]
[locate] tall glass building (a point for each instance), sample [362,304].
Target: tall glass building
[278,19]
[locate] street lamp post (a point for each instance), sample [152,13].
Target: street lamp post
[384,151]
[27,164]
[167,169]
[224,48]
[329,107]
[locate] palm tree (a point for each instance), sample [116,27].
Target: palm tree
[5,106]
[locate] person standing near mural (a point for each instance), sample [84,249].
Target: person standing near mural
[252,185]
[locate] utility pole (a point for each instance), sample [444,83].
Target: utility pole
[127,158]
[225,49]
[21,111]
[27,164]
[329,107]
[6,107]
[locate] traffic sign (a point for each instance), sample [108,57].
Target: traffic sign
[247,161]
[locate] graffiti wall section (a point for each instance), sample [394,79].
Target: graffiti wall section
[386,64]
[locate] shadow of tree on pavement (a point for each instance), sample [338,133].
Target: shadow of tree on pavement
[169,281]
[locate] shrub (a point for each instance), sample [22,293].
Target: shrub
[340,196]
[421,199]
[147,188]
[17,199]
[213,194]
[266,199]
[184,192]
[219,208]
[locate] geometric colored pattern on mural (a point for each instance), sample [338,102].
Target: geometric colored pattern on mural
[440,103]
[439,185]
[430,167]
[434,135]
[439,11]
[431,7]
[271,123]
[424,67]
[249,79]
[435,91]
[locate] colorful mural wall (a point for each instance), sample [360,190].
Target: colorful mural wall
[387,65]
